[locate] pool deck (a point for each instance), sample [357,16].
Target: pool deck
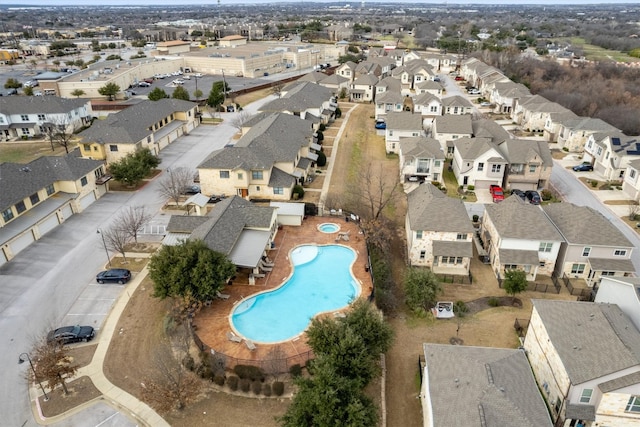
[213,323]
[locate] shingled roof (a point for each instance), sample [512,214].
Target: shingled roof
[300,97]
[39,104]
[516,220]
[431,210]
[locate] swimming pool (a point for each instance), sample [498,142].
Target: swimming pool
[321,281]
[329,227]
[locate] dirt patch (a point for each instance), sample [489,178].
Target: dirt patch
[81,356]
[81,390]
[558,154]
[620,202]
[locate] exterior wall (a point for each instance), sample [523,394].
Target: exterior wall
[549,371]
[457,110]
[623,294]
[393,136]
[211,183]
[542,174]
[534,121]
[631,182]
[573,255]
[462,168]
[426,244]
[409,167]
[611,410]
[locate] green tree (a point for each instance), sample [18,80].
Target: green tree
[421,289]
[180,93]
[197,94]
[157,94]
[217,94]
[28,91]
[135,166]
[110,90]
[12,83]
[77,93]
[189,270]
[147,159]
[515,282]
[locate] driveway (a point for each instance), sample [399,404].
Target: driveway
[53,280]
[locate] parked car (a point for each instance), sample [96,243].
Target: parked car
[31,83]
[459,78]
[381,124]
[497,193]
[474,91]
[114,275]
[217,198]
[485,104]
[583,167]
[518,193]
[144,84]
[178,82]
[533,197]
[198,74]
[192,189]
[186,77]
[69,334]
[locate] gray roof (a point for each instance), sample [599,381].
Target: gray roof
[485,128]
[516,220]
[431,210]
[582,225]
[300,97]
[421,147]
[279,178]
[39,104]
[456,100]
[458,124]
[518,257]
[609,264]
[521,151]
[511,89]
[314,77]
[18,181]
[472,148]
[453,248]
[228,219]
[426,98]
[392,84]
[366,80]
[390,97]
[589,124]
[132,124]
[578,411]
[591,339]
[404,120]
[333,79]
[477,386]
[429,85]
[620,382]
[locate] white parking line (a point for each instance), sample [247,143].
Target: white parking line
[96,299]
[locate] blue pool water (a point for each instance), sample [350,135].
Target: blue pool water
[321,281]
[328,227]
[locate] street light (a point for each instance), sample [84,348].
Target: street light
[105,246]
[35,375]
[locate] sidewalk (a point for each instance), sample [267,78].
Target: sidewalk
[140,412]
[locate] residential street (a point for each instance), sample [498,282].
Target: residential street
[42,283]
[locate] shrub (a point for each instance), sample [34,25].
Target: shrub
[297,189]
[232,382]
[593,183]
[322,127]
[256,387]
[476,218]
[493,302]
[205,372]
[219,380]
[565,149]
[546,194]
[436,184]
[245,384]
[322,159]
[460,308]
[278,388]
[295,370]
[249,372]
[471,187]
[188,362]
[266,389]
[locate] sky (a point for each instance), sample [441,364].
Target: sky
[231,2]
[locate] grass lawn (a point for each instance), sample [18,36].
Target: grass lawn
[597,53]
[24,152]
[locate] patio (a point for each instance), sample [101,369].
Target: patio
[212,323]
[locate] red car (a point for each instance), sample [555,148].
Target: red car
[497,193]
[459,78]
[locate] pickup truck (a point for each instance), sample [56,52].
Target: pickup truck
[496,193]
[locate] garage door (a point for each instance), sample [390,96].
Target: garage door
[86,201]
[21,242]
[48,224]
[67,212]
[483,185]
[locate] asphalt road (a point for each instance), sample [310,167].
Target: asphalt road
[53,280]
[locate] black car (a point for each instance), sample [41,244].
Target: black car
[191,189]
[533,197]
[583,167]
[114,275]
[519,193]
[69,334]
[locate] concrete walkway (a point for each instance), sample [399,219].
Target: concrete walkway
[129,405]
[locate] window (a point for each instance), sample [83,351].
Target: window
[620,252]
[423,254]
[149,140]
[50,189]
[25,131]
[24,117]
[419,234]
[577,268]
[390,133]
[42,117]
[34,198]
[1,119]
[608,273]
[83,181]
[240,176]
[461,236]
[480,167]
[599,150]
[510,266]
[586,395]
[20,207]
[496,168]
[459,260]
[545,247]
[532,168]
[224,174]
[436,163]
[632,173]
[558,405]
[256,174]
[7,215]
[258,188]
[98,172]
[278,190]
[586,251]
[633,405]
[113,147]
[86,147]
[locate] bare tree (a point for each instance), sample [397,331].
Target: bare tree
[173,386]
[133,220]
[59,131]
[373,193]
[53,364]
[240,119]
[276,89]
[276,362]
[173,184]
[633,209]
[116,238]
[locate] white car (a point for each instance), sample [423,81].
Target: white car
[186,77]
[178,82]
[31,83]
[198,74]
